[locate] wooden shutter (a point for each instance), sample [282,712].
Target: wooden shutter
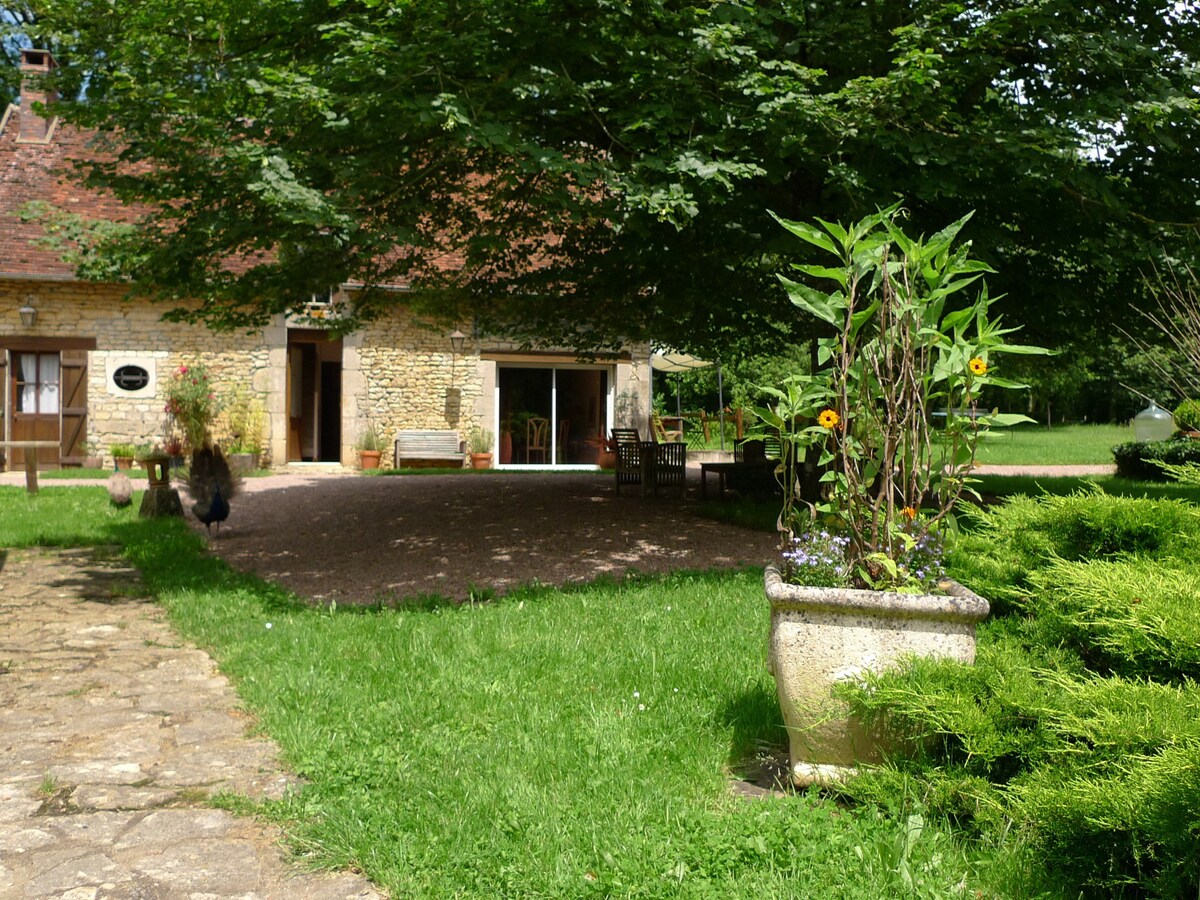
[73,385]
[5,389]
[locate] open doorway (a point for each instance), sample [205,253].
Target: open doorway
[314,397]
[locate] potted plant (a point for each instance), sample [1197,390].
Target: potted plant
[243,420]
[94,458]
[479,445]
[606,451]
[859,586]
[174,449]
[191,403]
[123,455]
[512,434]
[1187,418]
[369,446]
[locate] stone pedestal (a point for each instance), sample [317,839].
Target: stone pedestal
[159,502]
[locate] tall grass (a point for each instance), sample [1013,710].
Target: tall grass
[558,743]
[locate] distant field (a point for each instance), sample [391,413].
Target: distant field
[1067,445]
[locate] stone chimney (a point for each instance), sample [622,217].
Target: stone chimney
[35,65]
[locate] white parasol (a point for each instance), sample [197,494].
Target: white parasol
[668,360]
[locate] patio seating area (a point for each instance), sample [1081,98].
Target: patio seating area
[650,464]
[752,470]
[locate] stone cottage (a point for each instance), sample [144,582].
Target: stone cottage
[85,365]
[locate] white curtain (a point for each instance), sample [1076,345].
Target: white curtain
[39,390]
[27,399]
[48,400]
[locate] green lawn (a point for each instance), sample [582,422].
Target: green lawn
[558,743]
[91,474]
[761,514]
[1021,446]
[1067,445]
[1008,485]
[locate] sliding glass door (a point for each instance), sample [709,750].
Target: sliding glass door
[552,415]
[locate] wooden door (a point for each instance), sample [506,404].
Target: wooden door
[36,400]
[5,454]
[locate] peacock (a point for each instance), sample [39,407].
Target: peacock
[212,485]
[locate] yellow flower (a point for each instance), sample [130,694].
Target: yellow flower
[828,419]
[909,513]
[978,366]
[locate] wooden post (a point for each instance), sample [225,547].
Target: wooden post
[30,448]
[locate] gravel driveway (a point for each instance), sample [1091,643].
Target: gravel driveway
[358,539]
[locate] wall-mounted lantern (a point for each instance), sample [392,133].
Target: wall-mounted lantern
[457,339]
[28,313]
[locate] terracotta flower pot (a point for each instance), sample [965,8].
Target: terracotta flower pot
[822,636]
[243,462]
[369,459]
[481,460]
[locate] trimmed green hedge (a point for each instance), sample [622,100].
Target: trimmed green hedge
[1187,415]
[1136,459]
[1077,731]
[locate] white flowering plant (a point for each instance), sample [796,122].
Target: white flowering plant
[892,414]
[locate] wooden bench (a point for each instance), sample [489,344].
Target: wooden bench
[428,448]
[965,413]
[30,448]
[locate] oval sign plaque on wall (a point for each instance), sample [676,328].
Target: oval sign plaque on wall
[131,378]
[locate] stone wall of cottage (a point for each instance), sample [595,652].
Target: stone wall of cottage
[130,332]
[404,374]
[397,373]
[632,403]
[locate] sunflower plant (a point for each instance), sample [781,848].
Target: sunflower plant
[891,417]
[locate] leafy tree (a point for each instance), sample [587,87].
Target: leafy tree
[13,20]
[586,172]
[21,27]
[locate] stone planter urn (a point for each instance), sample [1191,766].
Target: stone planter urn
[822,636]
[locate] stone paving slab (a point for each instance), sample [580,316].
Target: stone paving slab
[112,733]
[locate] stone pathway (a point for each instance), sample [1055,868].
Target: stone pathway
[112,734]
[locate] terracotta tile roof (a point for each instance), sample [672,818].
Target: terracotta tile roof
[37,163]
[41,170]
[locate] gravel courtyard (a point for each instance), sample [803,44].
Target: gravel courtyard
[359,540]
